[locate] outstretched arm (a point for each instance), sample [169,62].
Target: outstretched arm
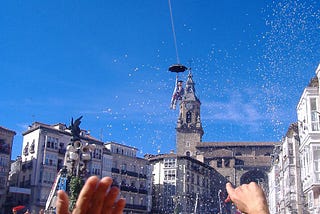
[97,196]
[249,198]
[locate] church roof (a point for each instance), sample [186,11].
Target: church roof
[234,144]
[7,130]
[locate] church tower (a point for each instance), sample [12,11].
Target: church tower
[189,128]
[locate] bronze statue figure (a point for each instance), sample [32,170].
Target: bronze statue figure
[75,129]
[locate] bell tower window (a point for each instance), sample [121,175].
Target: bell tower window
[188,119]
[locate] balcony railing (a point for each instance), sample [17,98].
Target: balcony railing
[133,174]
[143,191]
[128,188]
[136,207]
[142,176]
[62,151]
[25,184]
[115,170]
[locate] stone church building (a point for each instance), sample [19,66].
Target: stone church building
[239,162]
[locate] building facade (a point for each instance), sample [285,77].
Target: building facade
[309,134]
[43,155]
[15,195]
[285,193]
[274,183]
[182,184]
[6,140]
[239,162]
[132,175]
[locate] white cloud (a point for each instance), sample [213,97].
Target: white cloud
[239,107]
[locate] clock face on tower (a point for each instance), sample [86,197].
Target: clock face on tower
[189,106]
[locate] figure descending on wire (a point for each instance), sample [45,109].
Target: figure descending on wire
[178,89]
[176,68]
[177,93]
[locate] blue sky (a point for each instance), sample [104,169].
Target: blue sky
[108,61]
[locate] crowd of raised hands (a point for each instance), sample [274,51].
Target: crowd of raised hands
[248,198]
[98,196]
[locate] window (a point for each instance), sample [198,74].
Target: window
[52,142]
[188,176]
[316,159]
[141,201]
[4,161]
[188,119]
[219,163]
[124,167]
[114,164]
[169,162]
[227,163]
[51,159]
[314,115]
[2,182]
[310,199]
[123,182]
[169,175]
[170,188]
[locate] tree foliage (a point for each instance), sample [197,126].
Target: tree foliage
[75,185]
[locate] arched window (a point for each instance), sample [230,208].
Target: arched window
[188,153]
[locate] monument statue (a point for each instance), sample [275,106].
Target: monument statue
[75,129]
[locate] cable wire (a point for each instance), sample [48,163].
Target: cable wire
[174,33]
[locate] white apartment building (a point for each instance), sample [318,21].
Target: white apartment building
[132,175]
[274,190]
[309,133]
[285,191]
[43,153]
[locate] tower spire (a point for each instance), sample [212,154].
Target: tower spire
[189,127]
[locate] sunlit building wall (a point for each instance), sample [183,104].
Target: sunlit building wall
[42,156]
[287,179]
[274,182]
[6,140]
[132,175]
[15,194]
[182,184]
[309,133]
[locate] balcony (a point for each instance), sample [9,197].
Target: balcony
[27,165]
[25,184]
[128,188]
[115,170]
[142,176]
[136,207]
[133,174]
[143,191]
[62,151]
